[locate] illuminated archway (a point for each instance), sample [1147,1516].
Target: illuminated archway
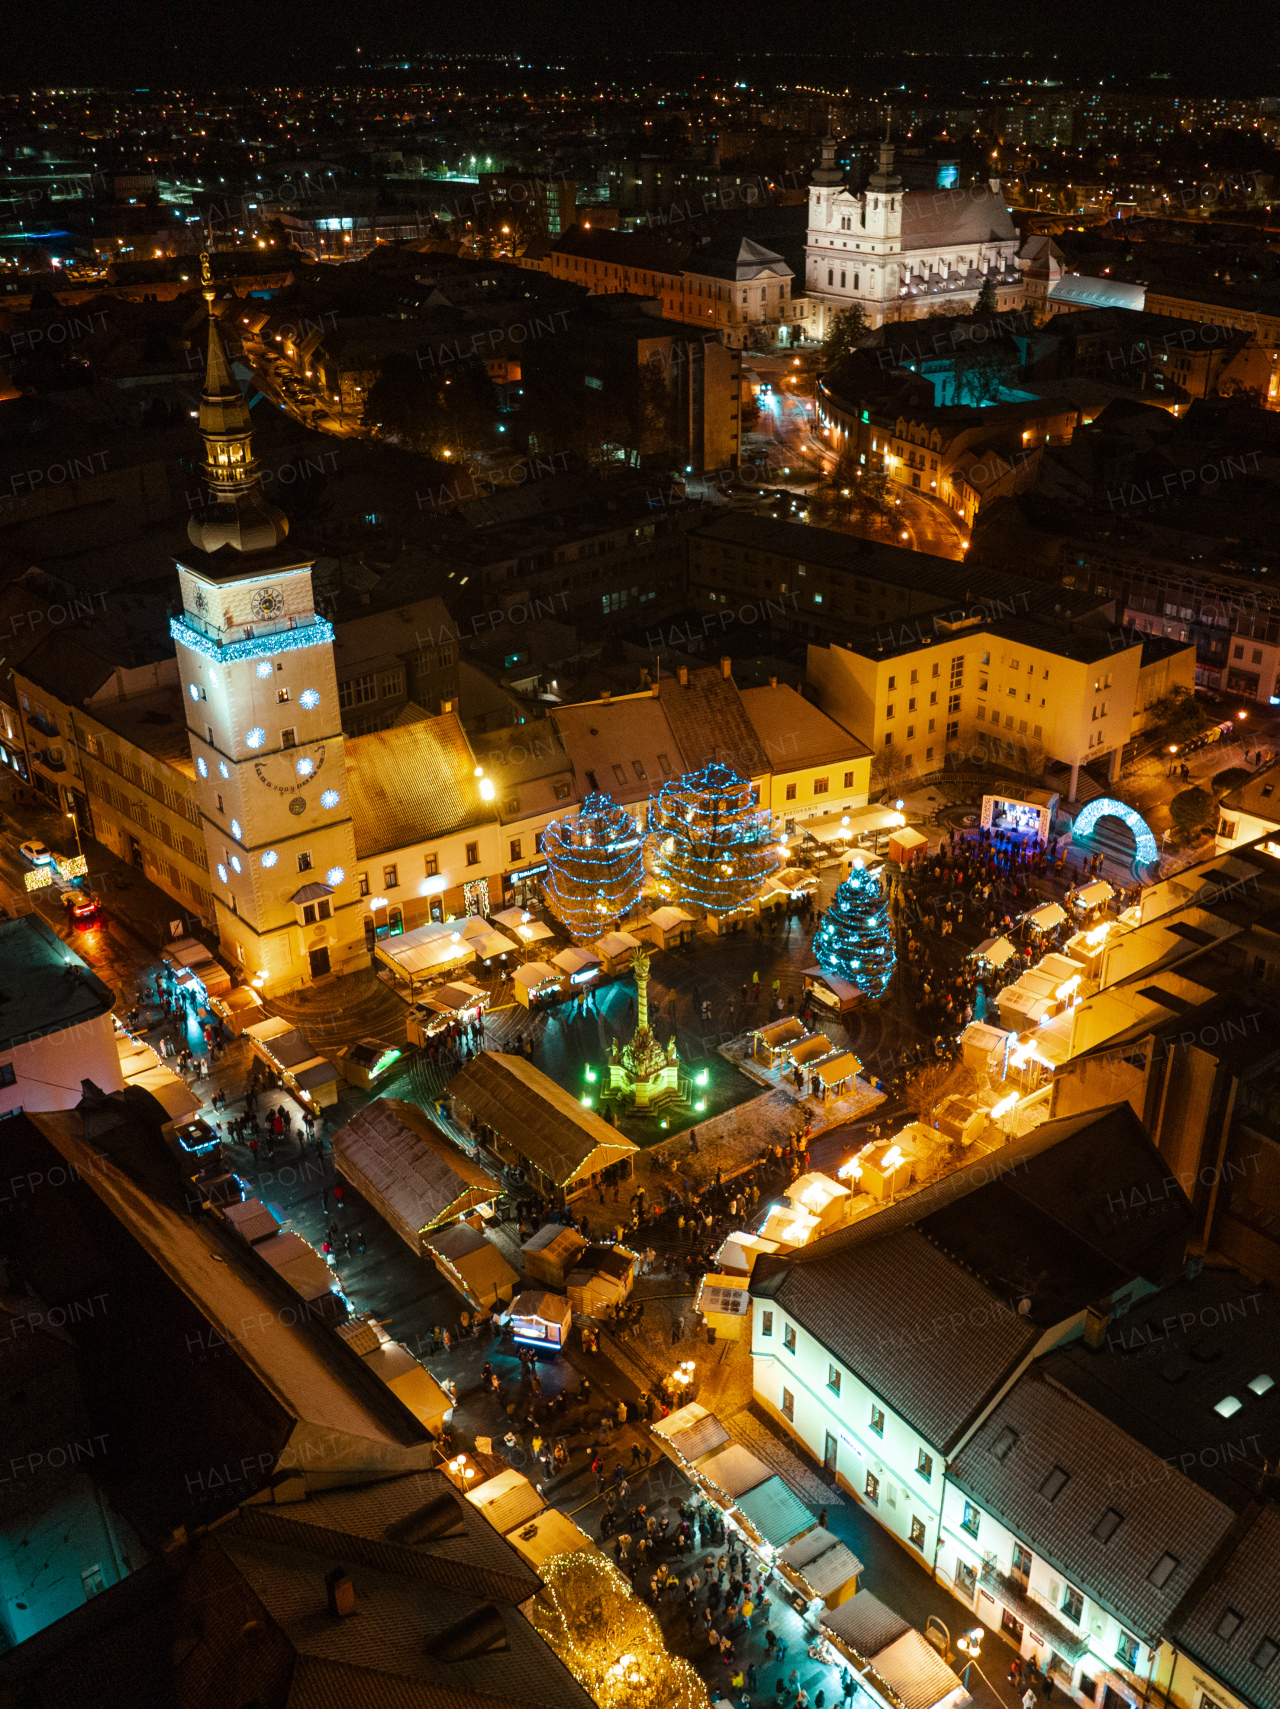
[1107,808]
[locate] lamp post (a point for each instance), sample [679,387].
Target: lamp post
[970,1646]
[1173,758]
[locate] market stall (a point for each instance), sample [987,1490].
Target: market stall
[790,1225]
[507,1501]
[821,1196]
[1040,925]
[739,1251]
[1089,901]
[550,1534]
[820,1568]
[812,1049]
[905,844]
[456,1002]
[540,1320]
[771,1044]
[775,1513]
[615,950]
[689,1433]
[411,1173]
[193,966]
[237,1009]
[312,1079]
[140,1065]
[552,1253]
[836,1075]
[362,1063]
[536,985]
[985,1050]
[488,944]
[471,1264]
[833,993]
[667,927]
[425,954]
[298,1263]
[993,953]
[581,967]
[886,1170]
[601,1279]
[725,925]
[724,1304]
[527,929]
[897,1663]
[393,1364]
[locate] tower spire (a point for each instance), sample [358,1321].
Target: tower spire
[236,513]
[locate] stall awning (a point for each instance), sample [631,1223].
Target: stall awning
[739,1251]
[1094,895]
[907,839]
[542,1121]
[821,1560]
[425,948]
[775,1512]
[734,1470]
[702,1436]
[837,1068]
[843,827]
[488,944]
[1046,918]
[995,950]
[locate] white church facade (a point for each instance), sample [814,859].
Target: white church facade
[906,255]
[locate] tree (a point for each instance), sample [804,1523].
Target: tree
[979,371]
[855,939]
[445,411]
[709,844]
[1190,809]
[613,1646]
[595,867]
[1179,716]
[986,304]
[845,333]
[1225,781]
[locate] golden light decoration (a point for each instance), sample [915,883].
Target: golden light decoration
[609,1641]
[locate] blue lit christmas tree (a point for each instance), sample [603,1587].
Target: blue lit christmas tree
[855,939]
[595,867]
[710,845]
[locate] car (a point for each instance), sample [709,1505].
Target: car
[81,904]
[36,853]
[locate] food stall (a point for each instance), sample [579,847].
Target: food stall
[488,944]
[993,953]
[1088,902]
[362,1063]
[441,1008]
[821,1196]
[549,1534]
[552,1253]
[885,1170]
[833,993]
[428,953]
[540,1321]
[739,1251]
[471,1264]
[393,1364]
[193,966]
[667,928]
[836,1075]
[298,1263]
[725,925]
[771,1044]
[724,1304]
[1040,925]
[312,1079]
[237,1009]
[905,844]
[580,966]
[985,1050]
[412,1174]
[812,1050]
[507,1501]
[524,926]
[615,950]
[536,985]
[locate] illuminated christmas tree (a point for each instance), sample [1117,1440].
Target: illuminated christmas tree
[595,867]
[855,939]
[709,843]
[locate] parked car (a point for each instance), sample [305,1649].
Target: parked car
[36,853]
[81,904]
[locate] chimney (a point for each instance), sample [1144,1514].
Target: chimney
[445,706]
[773,682]
[342,1596]
[726,668]
[1096,1319]
[684,676]
[604,696]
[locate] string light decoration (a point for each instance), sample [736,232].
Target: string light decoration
[855,939]
[710,845]
[613,1646]
[595,867]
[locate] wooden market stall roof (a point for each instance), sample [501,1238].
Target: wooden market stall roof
[691,1431]
[821,1560]
[775,1511]
[414,1177]
[837,1068]
[539,1119]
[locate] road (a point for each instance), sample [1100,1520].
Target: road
[307,406]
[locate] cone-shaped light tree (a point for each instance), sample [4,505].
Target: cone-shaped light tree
[595,867]
[855,939]
[710,845]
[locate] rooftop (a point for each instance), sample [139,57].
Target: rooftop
[45,988]
[535,1116]
[413,784]
[794,733]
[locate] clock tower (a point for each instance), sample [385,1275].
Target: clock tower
[257,670]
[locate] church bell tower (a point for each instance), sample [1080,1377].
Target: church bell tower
[260,688]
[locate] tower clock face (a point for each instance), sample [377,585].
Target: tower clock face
[268,602]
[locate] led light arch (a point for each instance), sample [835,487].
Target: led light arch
[1105,807]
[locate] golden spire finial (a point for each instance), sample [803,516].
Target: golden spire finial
[206,277]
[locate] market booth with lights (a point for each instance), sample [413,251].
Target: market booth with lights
[540,1320]
[537,985]
[472,1264]
[362,1063]
[312,1079]
[411,1173]
[521,1117]
[425,955]
[445,1006]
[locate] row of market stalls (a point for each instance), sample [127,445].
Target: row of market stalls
[784,1046]
[894,1664]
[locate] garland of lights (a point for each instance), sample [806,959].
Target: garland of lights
[613,1646]
[595,867]
[317,633]
[855,939]
[710,845]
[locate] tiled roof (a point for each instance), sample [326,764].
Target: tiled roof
[974,213]
[413,784]
[865,1623]
[603,739]
[1161,1512]
[711,723]
[1248,1585]
[793,732]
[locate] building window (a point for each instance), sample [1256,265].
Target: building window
[1073,1605]
[8,1076]
[872,1487]
[766,1323]
[1127,1651]
[1021,1562]
[304,861]
[791,792]
[287,739]
[431,864]
[953,703]
[888,711]
[953,729]
[833,1379]
[966,1578]
[972,1519]
[390,877]
[515,849]
[93,1581]
[789,1337]
[788,1405]
[282,695]
[917,1532]
[877,1421]
[473,854]
[820,785]
[357,691]
[1011,1627]
[848,780]
[362,884]
[924,1465]
[390,684]
[888,738]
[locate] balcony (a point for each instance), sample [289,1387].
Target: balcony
[46,726]
[1070,1644]
[48,761]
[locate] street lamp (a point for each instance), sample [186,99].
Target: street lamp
[1173,749]
[970,1646]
